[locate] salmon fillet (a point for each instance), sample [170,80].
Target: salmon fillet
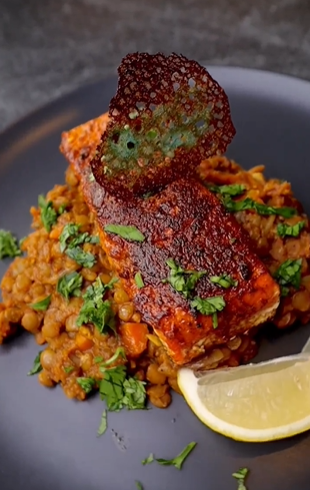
[187,223]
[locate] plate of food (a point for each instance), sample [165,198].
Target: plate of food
[153,318]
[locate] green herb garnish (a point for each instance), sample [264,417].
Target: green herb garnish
[240,477]
[103,424]
[120,352]
[289,274]
[209,306]
[70,285]
[148,460]
[138,280]
[94,309]
[37,367]
[177,461]
[68,369]
[87,384]
[41,305]
[8,245]
[85,259]
[225,281]
[120,391]
[181,280]
[62,208]
[263,209]
[229,190]
[69,231]
[287,230]
[98,359]
[48,213]
[139,485]
[130,233]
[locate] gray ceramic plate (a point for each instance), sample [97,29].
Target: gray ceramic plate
[48,442]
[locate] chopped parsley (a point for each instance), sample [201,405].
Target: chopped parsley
[85,259]
[41,305]
[95,310]
[68,369]
[70,241]
[87,384]
[225,281]
[263,209]
[62,208]
[120,391]
[138,280]
[103,424]
[37,367]
[139,485]
[287,230]
[130,233]
[48,213]
[8,245]
[70,285]
[177,462]
[240,477]
[209,306]
[120,352]
[229,190]
[98,359]
[289,274]
[181,280]
[148,460]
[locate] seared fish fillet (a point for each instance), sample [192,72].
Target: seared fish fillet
[185,222]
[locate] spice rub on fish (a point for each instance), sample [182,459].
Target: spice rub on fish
[186,223]
[187,264]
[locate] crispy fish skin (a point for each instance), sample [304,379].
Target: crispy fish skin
[187,223]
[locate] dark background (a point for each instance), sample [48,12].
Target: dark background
[49,47]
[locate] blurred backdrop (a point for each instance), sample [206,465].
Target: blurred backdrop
[49,47]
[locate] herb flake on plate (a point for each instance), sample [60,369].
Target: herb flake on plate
[87,384]
[225,281]
[209,306]
[289,274]
[182,281]
[284,230]
[37,367]
[240,476]
[103,424]
[48,213]
[120,391]
[130,233]
[177,462]
[70,284]
[139,281]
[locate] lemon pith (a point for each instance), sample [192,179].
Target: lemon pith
[260,402]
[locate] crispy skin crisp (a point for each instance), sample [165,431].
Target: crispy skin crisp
[187,223]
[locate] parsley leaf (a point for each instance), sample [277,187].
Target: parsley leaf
[139,485]
[69,231]
[98,359]
[87,384]
[70,239]
[229,190]
[48,213]
[287,230]
[263,209]
[240,477]
[120,391]
[41,305]
[138,280]
[70,285]
[37,367]
[130,233]
[8,245]
[68,369]
[103,424]
[181,280]
[289,274]
[94,309]
[225,281]
[120,352]
[85,259]
[148,460]
[179,459]
[111,388]
[209,306]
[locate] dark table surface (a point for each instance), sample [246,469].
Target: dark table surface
[49,47]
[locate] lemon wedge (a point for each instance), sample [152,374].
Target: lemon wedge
[257,402]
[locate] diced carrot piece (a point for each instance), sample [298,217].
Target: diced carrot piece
[82,342]
[134,338]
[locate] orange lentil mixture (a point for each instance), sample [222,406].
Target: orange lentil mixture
[70,351]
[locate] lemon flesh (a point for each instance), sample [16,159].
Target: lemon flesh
[257,402]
